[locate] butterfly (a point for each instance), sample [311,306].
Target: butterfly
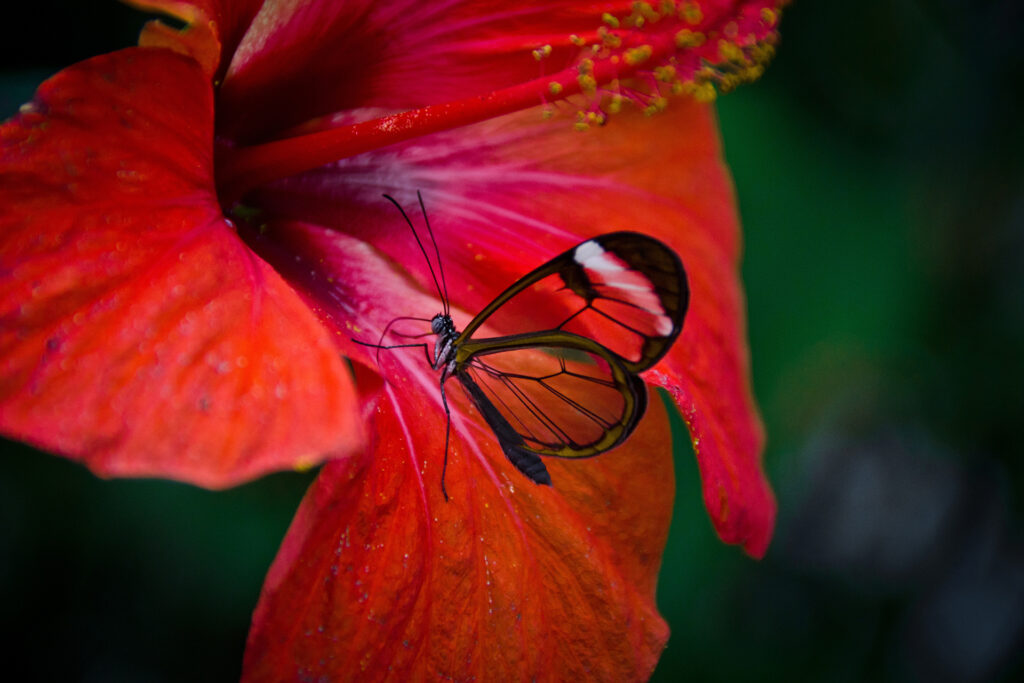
[561,377]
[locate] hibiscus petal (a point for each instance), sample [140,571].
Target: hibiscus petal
[213,28]
[380,578]
[506,195]
[334,56]
[138,334]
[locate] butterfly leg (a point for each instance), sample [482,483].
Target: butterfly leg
[447,431]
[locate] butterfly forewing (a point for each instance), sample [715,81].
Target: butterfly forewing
[623,290]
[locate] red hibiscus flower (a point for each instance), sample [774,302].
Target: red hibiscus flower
[193,232]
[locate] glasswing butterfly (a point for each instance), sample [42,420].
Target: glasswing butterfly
[568,386]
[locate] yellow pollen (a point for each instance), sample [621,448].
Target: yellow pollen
[688,38]
[768,16]
[587,83]
[645,10]
[705,92]
[638,55]
[610,20]
[690,11]
[586,66]
[554,87]
[611,40]
[665,74]
[731,52]
[576,40]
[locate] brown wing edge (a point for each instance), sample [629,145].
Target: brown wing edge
[663,267]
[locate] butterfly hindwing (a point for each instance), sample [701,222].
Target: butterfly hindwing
[564,395]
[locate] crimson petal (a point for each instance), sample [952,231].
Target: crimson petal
[137,332]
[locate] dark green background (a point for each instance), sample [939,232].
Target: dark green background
[878,171]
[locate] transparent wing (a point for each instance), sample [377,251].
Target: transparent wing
[625,291]
[556,393]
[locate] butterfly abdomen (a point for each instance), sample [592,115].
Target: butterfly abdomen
[511,442]
[528,463]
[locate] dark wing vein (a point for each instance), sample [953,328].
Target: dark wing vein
[522,395]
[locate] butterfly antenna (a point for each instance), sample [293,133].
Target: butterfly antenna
[422,250]
[437,252]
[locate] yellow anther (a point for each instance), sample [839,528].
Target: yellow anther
[667,7]
[687,38]
[610,20]
[665,74]
[587,83]
[576,40]
[729,82]
[645,10]
[731,52]
[638,55]
[586,66]
[554,87]
[768,16]
[615,104]
[705,92]
[542,52]
[762,52]
[580,127]
[690,11]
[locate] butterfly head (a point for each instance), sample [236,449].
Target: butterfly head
[442,324]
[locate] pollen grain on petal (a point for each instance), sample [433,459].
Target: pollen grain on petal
[652,51]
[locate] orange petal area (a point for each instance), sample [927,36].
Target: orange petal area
[380,579]
[138,334]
